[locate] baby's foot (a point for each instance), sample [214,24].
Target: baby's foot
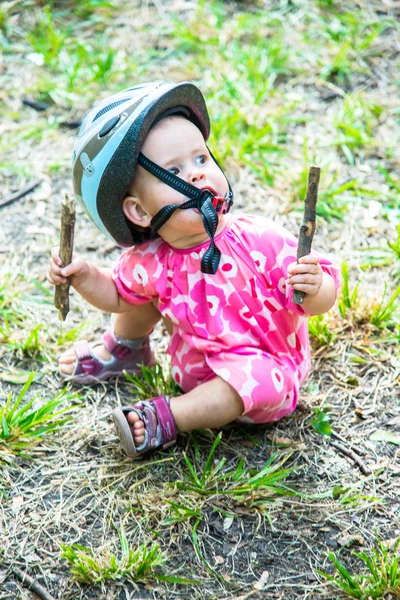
[68,360]
[137,427]
[146,425]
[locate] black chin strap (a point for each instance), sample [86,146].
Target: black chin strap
[204,200]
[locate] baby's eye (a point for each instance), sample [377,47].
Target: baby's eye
[174,170]
[201,160]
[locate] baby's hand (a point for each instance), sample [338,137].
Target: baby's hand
[78,270]
[306,275]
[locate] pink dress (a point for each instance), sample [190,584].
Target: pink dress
[241,323]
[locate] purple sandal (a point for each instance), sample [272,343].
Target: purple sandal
[160,427]
[126,355]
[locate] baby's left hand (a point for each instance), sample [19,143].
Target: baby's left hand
[306,275]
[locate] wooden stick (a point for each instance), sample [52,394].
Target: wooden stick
[354,457]
[61,295]
[31,584]
[308,225]
[20,193]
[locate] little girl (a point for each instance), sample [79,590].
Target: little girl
[223,283]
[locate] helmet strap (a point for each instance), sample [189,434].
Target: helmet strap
[205,201]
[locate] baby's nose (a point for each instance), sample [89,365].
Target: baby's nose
[197,176]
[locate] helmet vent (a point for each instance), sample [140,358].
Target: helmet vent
[104,110]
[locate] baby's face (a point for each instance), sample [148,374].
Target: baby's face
[179,147]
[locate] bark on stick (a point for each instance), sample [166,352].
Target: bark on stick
[308,225]
[61,295]
[31,584]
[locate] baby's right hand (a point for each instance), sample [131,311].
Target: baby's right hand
[78,270]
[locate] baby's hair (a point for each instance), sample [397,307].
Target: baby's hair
[165,120]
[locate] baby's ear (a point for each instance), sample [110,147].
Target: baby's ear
[135,213]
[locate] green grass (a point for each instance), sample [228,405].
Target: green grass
[320,331]
[381,312]
[350,43]
[380,578]
[136,564]
[29,343]
[355,123]
[349,299]
[70,62]
[248,72]
[23,425]
[20,297]
[386,313]
[379,256]
[152,382]
[239,482]
[297,84]
[11,311]
[335,200]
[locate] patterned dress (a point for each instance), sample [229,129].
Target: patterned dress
[241,323]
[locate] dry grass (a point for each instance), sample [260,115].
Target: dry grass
[324,85]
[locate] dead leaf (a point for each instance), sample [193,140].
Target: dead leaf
[360,414]
[260,584]
[381,435]
[281,441]
[17,377]
[17,502]
[347,540]
[228,523]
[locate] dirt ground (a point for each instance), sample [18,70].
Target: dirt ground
[77,486]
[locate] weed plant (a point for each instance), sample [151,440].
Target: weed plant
[335,200]
[23,426]
[384,257]
[239,482]
[320,331]
[349,299]
[350,44]
[248,69]
[386,314]
[11,311]
[134,564]
[382,314]
[355,123]
[380,580]
[18,305]
[321,422]
[152,382]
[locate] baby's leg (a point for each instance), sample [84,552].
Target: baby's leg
[132,325]
[209,405]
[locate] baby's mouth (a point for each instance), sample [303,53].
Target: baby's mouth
[210,189]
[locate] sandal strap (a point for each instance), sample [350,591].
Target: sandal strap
[82,350]
[87,363]
[120,347]
[166,420]
[160,427]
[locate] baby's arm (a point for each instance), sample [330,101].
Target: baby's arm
[95,285]
[319,287]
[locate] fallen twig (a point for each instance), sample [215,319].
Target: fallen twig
[39,106]
[341,439]
[307,227]
[354,457]
[31,584]
[20,193]
[61,294]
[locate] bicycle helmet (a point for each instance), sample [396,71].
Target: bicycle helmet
[107,152]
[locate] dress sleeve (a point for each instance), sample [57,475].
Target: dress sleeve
[137,274]
[273,248]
